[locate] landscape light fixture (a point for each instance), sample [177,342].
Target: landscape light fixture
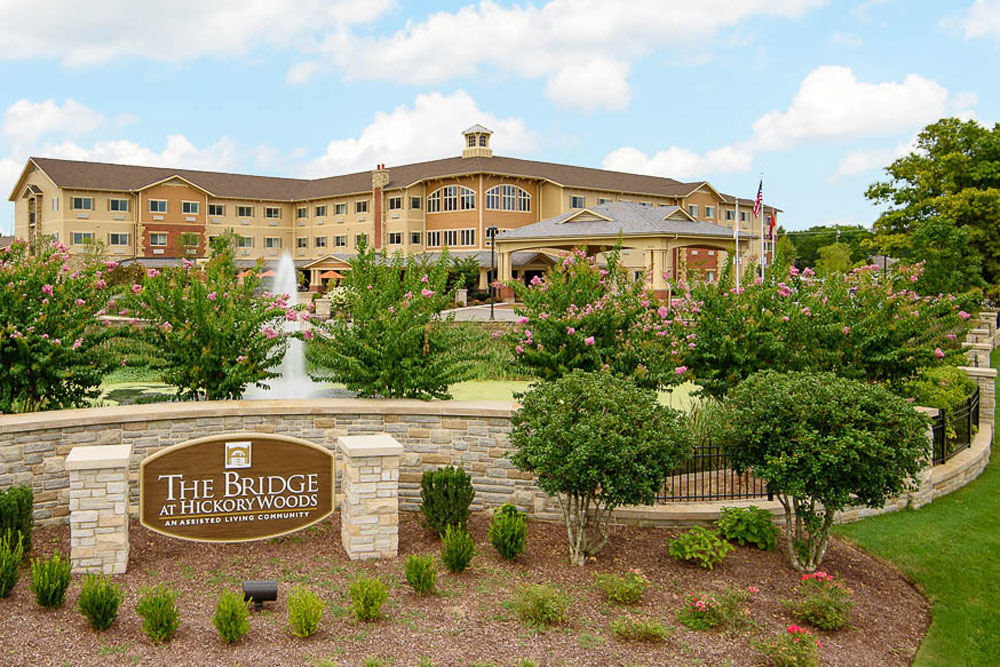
[260,591]
[491,234]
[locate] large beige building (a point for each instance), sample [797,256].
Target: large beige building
[157,215]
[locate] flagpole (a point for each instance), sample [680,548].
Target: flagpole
[763,240]
[736,236]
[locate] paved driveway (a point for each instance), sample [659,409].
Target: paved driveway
[503,312]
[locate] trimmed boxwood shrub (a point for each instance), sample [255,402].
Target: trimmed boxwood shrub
[445,496]
[50,579]
[508,531]
[158,609]
[16,514]
[232,617]
[99,600]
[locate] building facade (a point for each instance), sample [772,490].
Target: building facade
[157,215]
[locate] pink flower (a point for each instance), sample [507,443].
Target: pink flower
[77,343]
[152,273]
[168,327]
[950,336]
[589,340]
[964,315]
[270,333]
[186,263]
[496,334]
[110,264]
[785,318]
[100,284]
[291,316]
[427,292]
[47,289]
[536,281]
[137,288]
[240,359]
[570,331]
[424,279]
[808,273]
[663,311]
[681,370]
[846,330]
[938,353]
[308,335]
[522,320]
[792,271]
[80,302]
[123,362]
[211,296]
[753,589]
[519,349]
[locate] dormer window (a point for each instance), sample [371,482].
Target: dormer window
[472,140]
[477,142]
[482,140]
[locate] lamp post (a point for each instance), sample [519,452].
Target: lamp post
[491,234]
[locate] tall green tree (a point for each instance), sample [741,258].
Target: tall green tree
[809,241]
[834,258]
[944,206]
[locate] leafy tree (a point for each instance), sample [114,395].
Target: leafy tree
[944,206]
[53,351]
[834,258]
[809,241]
[210,331]
[391,340]
[464,272]
[787,252]
[583,316]
[821,443]
[862,325]
[596,441]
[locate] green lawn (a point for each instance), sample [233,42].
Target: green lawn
[951,549]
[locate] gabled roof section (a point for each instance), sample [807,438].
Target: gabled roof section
[29,166]
[584,215]
[477,128]
[176,177]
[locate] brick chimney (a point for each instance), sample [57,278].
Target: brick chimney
[380,178]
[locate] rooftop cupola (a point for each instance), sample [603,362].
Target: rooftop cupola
[477,142]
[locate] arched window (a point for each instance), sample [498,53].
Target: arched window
[508,198]
[451,198]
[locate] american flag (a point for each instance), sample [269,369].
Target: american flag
[760,199]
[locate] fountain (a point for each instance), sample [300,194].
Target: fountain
[292,381]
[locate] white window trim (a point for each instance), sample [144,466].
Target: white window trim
[196,204]
[158,234]
[158,201]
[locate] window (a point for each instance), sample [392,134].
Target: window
[320,211]
[361,206]
[472,140]
[415,238]
[245,242]
[118,205]
[359,238]
[157,205]
[645,203]
[693,210]
[216,209]
[272,212]
[340,241]
[83,203]
[451,237]
[710,212]
[320,241]
[395,238]
[603,200]
[117,239]
[302,212]
[79,238]
[55,203]
[395,203]
[577,202]
[302,242]
[340,209]
[694,252]
[468,237]
[189,208]
[433,239]
[743,216]
[507,198]
[190,240]
[709,276]
[729,214]
[482,140]
[415,203]
[451,198]
[158,239]
[711,253]
[244,211]
[272,242]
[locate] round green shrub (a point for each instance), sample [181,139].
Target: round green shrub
[508,531]
[368,594]
[700,546]
[158,609]
[540,605]
[457,549]
[99,601]
[420,573]
[50,579]
[232,617]
[305,611]
[748,525]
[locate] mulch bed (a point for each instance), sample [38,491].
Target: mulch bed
[468,621]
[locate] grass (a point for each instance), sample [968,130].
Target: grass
[949,549]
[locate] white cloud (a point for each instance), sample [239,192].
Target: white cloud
[832,104]
[680,163]
[857,162]
[25,122]
[430,128]
[574,44]
[178,152]
[981,19]
[181,30]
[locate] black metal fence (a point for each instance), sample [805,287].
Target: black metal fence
[706,475]
[955,428]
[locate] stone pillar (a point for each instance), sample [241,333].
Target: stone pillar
[978,354]
[98,508]
[462,297]
[369,512]
[986,378]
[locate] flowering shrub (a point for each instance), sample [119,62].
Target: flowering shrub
[700,612]
[796,647]
[390,339]
[209,330]
[583,316]
[822,601]
[53,350]
[863,325]
[940,387]
[821,442]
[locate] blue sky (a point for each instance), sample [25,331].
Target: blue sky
[818,95]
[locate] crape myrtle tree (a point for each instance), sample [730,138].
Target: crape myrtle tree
[821,443]
[390,339]
[863,325]
[53,347]
[596,441]
[588,317]
[212,332]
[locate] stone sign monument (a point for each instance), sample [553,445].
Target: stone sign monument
[236,487]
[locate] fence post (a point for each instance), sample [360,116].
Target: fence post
[986,378]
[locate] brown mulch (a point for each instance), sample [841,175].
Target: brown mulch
[468,621]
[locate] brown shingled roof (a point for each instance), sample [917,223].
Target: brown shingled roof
[103,176]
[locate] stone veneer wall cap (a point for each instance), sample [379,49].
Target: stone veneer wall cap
[979,371]
[381,444]
[32,421]
[101,456]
